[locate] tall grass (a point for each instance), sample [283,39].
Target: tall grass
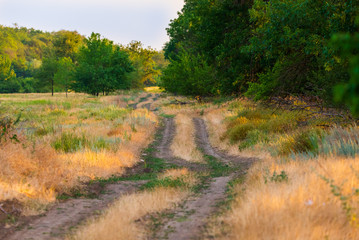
[64,142]
[304,187]
[119,221]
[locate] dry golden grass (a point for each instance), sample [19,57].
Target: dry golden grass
[216,126]
[188,177]
[154,89]
[183,145]
[302,208]
[34,173]
[119,221]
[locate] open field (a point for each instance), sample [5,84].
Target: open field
[65,142]
[220,169]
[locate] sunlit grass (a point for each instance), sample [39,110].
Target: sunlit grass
[67,141]
[154,89]
[119,221]
[304,182]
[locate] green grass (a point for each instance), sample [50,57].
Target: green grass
[166,182]
[167,115]
[218,168]
[69,142]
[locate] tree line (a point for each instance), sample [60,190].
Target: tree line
[265,48]
[36,61]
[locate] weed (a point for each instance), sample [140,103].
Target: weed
[218,168]
[240,132]
[306,141]
[68,142]
[167,115]
[278,178]
[165,182]
[345,200]
[253,137]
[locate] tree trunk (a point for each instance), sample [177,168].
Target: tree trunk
[52,87]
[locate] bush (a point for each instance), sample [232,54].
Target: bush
[253,137]
[240,132]
[303,142]
[69,142]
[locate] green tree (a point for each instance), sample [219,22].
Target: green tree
[67,43]
[7,76]
[291,39]
[64,75]
[347,46]
[46,75]
[145,68]
[102,67]
[189,75]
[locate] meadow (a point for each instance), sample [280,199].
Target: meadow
[62,143]
[305,182]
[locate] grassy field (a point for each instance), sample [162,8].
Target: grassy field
[65,142]
[305,183]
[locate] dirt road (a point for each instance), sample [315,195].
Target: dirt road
[187,221]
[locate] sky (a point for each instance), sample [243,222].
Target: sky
[118,20]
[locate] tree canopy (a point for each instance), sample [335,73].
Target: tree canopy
[260,48]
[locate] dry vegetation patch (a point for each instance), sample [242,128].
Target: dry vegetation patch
[292,201]
[67,141]
[183,145]
[123,219]
[305,184]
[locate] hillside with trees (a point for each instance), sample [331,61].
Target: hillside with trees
[36,61]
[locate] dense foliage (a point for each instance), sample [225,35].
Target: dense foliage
[37,61]
[260,48]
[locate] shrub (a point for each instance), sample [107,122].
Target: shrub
[253,137]
[341,142]
[69,142]
[240,132]
[302,142]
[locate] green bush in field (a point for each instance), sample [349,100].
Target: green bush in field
[240,132]
[306,141]
[341,142]
[257,113]
[105,113]
[68,142]
[253,137]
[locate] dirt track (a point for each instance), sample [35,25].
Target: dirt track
[188,220]
[63,216]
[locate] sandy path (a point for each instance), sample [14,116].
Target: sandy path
[203,142]
[59,220]
[190,219]
[164,148]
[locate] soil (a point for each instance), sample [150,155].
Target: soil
[188,221]
[62,217]
[203,142]
[164,149]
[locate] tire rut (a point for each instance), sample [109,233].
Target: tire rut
[190,219]
[164,148]
[202,140]
[62,217]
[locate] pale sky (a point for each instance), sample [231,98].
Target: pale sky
[117,20]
